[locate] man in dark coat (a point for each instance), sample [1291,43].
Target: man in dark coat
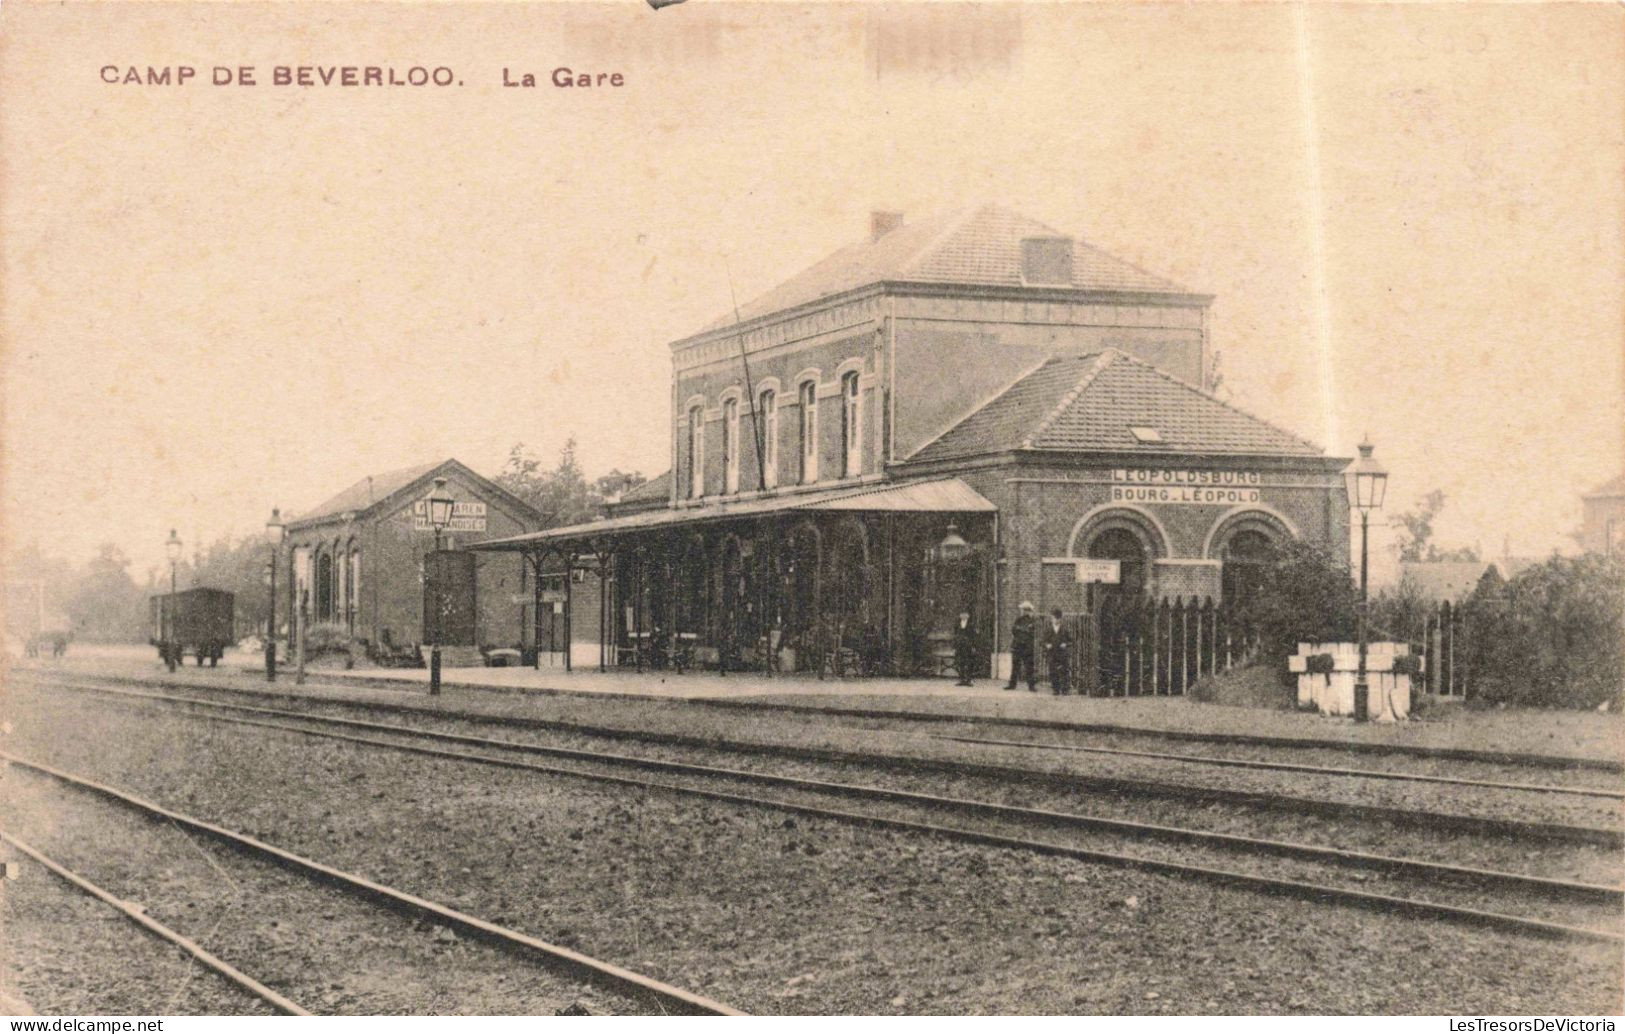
[1023,637]
[1058,653]
[964,647]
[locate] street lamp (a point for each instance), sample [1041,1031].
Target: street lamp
[274,531]
[440,505]
[172,548]
[953,546]
[1367,484]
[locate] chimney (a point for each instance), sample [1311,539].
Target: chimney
[882,223]
[1046,261]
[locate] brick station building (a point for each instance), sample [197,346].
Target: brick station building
[946,416]
[357,559]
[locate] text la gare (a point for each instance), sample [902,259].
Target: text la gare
[564,78]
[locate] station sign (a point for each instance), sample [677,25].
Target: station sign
[1105,572]
[1187,487]
[465,516]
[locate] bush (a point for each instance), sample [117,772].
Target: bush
[1321,664]
[1554,639]
[1304,595]
[1408,664]
[328,637]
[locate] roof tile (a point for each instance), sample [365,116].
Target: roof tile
[1090,403]
[970,246]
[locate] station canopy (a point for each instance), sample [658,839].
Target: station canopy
[938,495]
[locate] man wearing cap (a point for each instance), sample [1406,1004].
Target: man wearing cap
[1058,653]
[1023,633]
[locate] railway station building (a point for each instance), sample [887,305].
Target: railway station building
[357,559]
[948,416]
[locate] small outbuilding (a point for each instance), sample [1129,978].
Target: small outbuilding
[357,560]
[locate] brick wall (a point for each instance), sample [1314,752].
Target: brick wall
[949,363]
[782,369]
[390,588]
[1040,509]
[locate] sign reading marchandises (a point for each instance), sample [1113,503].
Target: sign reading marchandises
[1189,487]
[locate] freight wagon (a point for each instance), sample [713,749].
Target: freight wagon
[200,622]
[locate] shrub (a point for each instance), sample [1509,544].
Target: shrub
[1408,664]
[328,637]
[1321,664]
[1304,595]
[1554,638]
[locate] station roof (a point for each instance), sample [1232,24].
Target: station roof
[1110,402]
[377,489]
[979,246]
[1440,580]
[938,495]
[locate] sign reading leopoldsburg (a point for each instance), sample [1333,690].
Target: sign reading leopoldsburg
[1190,487]
[465,516]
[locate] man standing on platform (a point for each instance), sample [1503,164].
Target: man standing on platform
[964,647]
[1058,654]
[1023,636]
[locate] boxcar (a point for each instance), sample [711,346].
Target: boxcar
[200,622]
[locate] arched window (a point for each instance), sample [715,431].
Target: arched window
[809,432]
[696,452]
[851,427]
[355,586]
[768,412]
[730,445]
[1244,554]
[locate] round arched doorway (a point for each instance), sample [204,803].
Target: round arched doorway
[1132,557]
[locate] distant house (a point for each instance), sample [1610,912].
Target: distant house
[1602,522]
[1446,581]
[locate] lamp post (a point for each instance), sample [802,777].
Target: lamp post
[440,505]
[172,548]
[273,537]
[1367,483]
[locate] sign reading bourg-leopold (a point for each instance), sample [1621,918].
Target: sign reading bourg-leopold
[464,516]
[1187,487]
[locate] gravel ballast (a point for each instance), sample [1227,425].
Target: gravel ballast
[1423,841]
[775,913]
[330,952]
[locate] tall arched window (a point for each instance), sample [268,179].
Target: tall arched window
[809,432]
[696,452]
[851,427]
[355,586]
[1246,557]
[768,413]
[730,445]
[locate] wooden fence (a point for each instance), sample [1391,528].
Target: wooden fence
[1140,648]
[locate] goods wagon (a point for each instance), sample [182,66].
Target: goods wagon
[200,622]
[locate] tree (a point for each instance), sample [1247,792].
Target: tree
[1305,595]
[562,494]
[105,604]
[1552,636]
[1415,540]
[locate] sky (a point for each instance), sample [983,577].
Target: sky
[220,299]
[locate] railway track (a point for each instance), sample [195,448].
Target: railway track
[810,797]
[1478,825]
[1493,757]
[202,956]
[1283,766]
[655,994]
